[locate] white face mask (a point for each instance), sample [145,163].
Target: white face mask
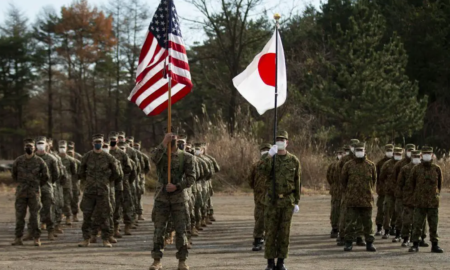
[40,147]
[416,161]
[389,154]
[339,156]
[360,154]
[106,150]
[264,152]
[281,145]
[347,153]
[198,152]
[427,157]
[62,150]
[397,158]
[352,149]
[408,154]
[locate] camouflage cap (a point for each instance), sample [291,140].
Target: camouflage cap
[113,135]
[398,150]
[353,142]
[182,137]
[340,151]
[389,147]
[122,144]
[121,134]
[70,150]
[62,143]
[346,147]
[98,137]
[427,150]
[265,146]
[70,147]
[410,146]
[138,143]
[130,139]
[41,139]
[105,144]
[416,153]
[71,143]
[283,134]
[360,145]
[49,140]
[29,142]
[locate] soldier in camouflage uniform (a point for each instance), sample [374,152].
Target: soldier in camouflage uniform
[404,187]
[389,182]
[171,198]
[128,199]
[203,173]
[426,183]
[76,192]
[389,154]
[96,171]
[30,173]
[209,171]
[281,203]
[215,168]
[145,170]
[48,194]
[72,172]
[257,182]
[358,179]
[335,195]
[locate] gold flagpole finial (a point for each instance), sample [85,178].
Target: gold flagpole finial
[277,16]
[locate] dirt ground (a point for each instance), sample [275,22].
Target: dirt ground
[224,245]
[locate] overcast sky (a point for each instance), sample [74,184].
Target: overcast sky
[32,7]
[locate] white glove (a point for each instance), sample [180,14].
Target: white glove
[296,209]
[273,151]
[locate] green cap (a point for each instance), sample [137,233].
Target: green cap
[265,146]
[416,153]
[410,146]
[283,134]
[71,143]
[353,142]
[182,137]
[62,143]
[122,144]
[427,149]
[346,147]
[121,134]
[389,147]
[98,137]
[130,139]
[360,145]
[340,151]
[113,135]
[28,142]
[41,139]
[398,150]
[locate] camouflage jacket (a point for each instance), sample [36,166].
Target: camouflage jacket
[387,178]
[146,167]
[133,155]
[216,166]
[97,170]
[71,168]
[359,177]
[334,185]
[30,174]
[287,179]
[207,167]
[426,182]
[404,188]
[198,168]
[337,174]
[53,169]
[182,174]
[125,166]
[397,169]
[379,165]
[78,156]
[257,181]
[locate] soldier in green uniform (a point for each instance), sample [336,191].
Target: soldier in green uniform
[138,184]
[426,183]
[388,181]
[72,173]
[145,170]
[30,173]
[209,172]
[389,154]
[76,192]
[200,204]
[257,182]
[281,203]
[216,168]
[171,198]
[358,179]
[97,169]
[335,195]
[58,187]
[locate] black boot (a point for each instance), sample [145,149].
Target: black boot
[423,243]
[334,233]
[435,248]
[341,242]
[397,237]
[415,247]
[379,228]
[360,242]
[370,247]
[280,264]
[348,246]
[393,231]
[386,234]
[270,264]
[257,245]
[405,242]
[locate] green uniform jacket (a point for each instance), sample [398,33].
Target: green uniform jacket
[404,187]
[426,181]
[359,177]
[122,157]
[257,181]
[387,177]
[71,168]
[397,168]
[30,174]
[379,165]
[337,174]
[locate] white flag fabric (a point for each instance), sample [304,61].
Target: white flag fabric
[257,82]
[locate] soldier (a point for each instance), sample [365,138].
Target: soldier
[30,172]
[388,181]
[97,170]
[171,198]
[206,192]
[144,172]
[75,183]
[216,169]
[128,202]
[426,183]
[71,145]
[205,173]
[72,172]
[281,203]
[335,195]
[257,182]
[358,178]
[48,194]
[389,153]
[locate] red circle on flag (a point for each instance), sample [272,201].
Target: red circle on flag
[267,67]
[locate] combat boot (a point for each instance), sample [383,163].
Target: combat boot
[194,231]
[379,228]
[393,231]
[415,247]
[334,233]
[348,246]
[106,243]
[370,247]
[75,218]
[116,231]
[397,237]
[51,235]
[112,240]
[435,248]
[280,264]
[140,217]
[84,243]
[37,242]
[341,242]
[423,243]
[28,237]
[198,226]
[208,221]
[17,242]
[386,234]
[156,265]
[270,264]
[43,226]
[127,229]
[93,239]
[405,242]
[204,222]
[360,242]
[257,245]
[68,221]
[58,229]
[212,218]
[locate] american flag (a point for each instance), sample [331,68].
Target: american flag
[163,52]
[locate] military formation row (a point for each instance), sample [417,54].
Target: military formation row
[408,191]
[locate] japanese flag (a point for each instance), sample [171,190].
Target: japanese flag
[257,82]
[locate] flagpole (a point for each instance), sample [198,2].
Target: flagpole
[277,17]
[169,105]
